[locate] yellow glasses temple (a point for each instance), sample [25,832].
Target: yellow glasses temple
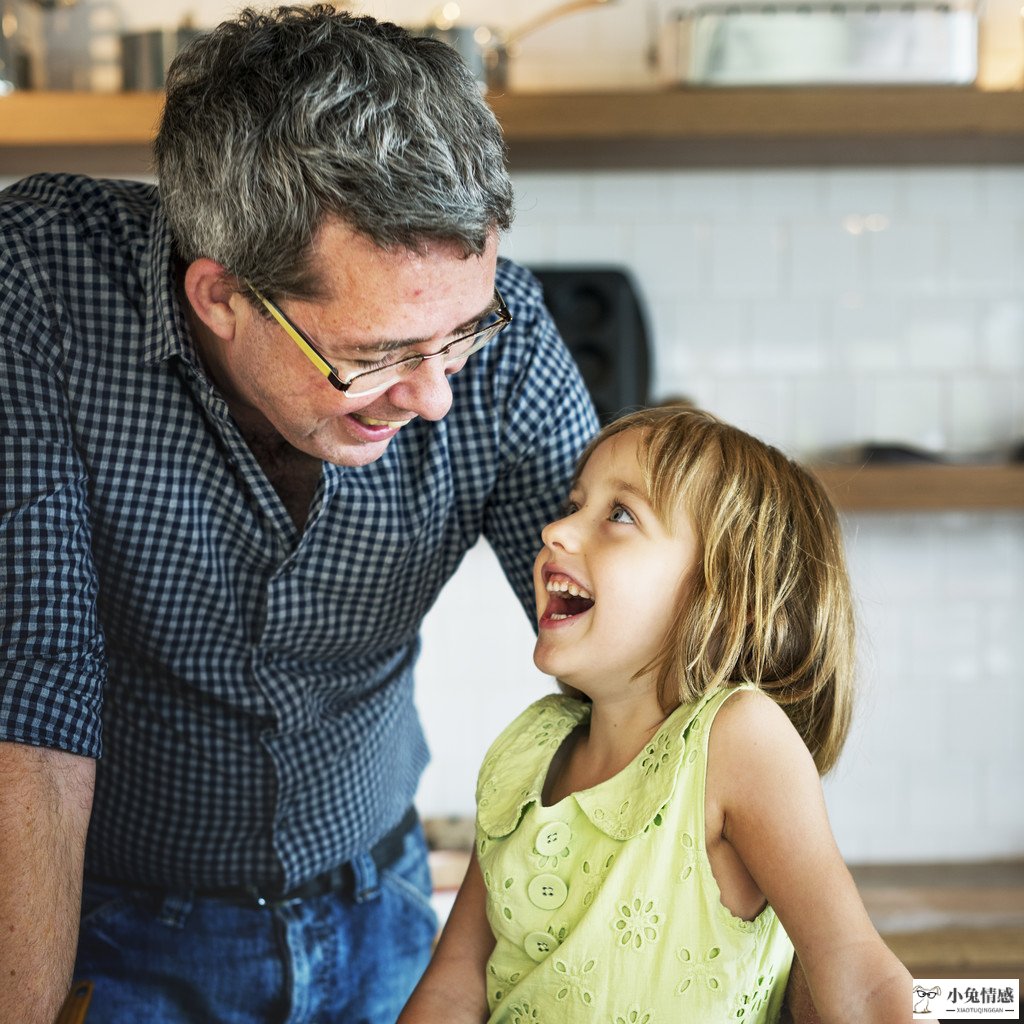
[318,360]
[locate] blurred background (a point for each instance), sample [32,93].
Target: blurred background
[813,228]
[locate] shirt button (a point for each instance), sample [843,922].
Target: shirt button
[538,945]
[547,892]
[553,838]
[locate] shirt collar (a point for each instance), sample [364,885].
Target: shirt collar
[164,330]
[514,773]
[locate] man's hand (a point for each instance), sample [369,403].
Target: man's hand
[45,803]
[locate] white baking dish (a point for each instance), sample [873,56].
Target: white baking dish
[789,43]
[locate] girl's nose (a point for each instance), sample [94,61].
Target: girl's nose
[560,534]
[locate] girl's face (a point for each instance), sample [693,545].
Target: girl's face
[610,576]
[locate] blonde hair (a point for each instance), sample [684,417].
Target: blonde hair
[769,601]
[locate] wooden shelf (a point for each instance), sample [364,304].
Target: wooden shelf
[742,114]
[663,115]
[79,118]
[924,487]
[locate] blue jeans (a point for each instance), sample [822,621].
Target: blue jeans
[174,959]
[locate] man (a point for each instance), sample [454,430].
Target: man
[252,421]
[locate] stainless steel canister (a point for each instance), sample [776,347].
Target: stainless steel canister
[146,56]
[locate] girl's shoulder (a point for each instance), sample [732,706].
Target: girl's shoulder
[744,712]
[751,746]
[691,720]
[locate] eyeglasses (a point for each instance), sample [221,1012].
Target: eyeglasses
[380,378]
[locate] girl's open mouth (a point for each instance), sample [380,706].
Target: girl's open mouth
[566,599]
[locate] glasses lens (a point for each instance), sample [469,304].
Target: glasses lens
[462,347]
[385,376]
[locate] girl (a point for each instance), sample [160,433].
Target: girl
[652,843]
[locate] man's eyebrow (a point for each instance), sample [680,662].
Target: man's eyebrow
[394,345]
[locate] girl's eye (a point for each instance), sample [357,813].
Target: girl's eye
[621,514]
[568,509]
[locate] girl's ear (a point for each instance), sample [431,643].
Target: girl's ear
[210,289]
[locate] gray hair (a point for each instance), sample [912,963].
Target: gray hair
[276,121]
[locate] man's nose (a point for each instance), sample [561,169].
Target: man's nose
[425,392]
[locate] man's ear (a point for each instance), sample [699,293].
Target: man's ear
[210,291]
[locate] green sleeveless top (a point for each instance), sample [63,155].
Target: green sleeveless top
[603,905]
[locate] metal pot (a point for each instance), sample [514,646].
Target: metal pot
[482,51]
[21,42]
[15,59]
[146,56]
[486,50]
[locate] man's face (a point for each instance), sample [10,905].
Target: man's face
[381,305]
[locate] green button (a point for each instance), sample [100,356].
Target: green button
[538,945]
[547,892]
[553,838]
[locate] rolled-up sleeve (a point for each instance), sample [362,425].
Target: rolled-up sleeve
[51,648]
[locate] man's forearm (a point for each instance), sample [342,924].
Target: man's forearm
[45,803]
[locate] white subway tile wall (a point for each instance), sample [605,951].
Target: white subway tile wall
[816,308]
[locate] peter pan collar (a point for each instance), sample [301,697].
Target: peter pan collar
[514,772]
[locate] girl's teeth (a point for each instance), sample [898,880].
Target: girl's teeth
[565,587]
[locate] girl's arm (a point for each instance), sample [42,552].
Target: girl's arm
[763,783]
[453,990]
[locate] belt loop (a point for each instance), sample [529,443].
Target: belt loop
[367,882]
[174,910]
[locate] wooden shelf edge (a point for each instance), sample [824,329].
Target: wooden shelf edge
[79,118]
[653,115]
[764,113]
[924,488]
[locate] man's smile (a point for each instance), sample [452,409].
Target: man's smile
[371,421]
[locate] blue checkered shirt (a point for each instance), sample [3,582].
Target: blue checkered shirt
[254,681]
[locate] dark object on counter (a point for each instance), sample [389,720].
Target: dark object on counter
[876,452]
[1017,452]
[597,311]
[882,453]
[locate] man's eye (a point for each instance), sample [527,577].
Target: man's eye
[366,365]
[476,326]
[621,514]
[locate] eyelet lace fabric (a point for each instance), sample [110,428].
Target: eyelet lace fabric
[603,905]
[516,767]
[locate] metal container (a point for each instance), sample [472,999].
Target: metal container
[146,56]
[19,46]
[486,50]
[481,49]
[15,64]
[850,43]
